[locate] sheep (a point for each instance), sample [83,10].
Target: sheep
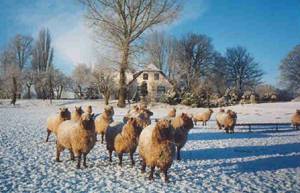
[88,109]
[75,115]
[79,137]
[102,121]
[123,138]
[226,120]
[142,113]
[172,113]
[54,121]
[157,147]
[131,113]
[296,120]
[181,124]
[204,117]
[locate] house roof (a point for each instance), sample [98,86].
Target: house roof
[149,68]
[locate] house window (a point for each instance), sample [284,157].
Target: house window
[161,89]
[156,76]
[145,76]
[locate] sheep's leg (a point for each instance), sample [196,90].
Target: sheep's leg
[143,166]
[72,155]
[219,125]
[178,153]
[84,160]
[102,138]
[79,160]
[110,154]
[165,172]
[120,158]
[48,134]
[203,124]
[59,149]
[226,130]
[195,122]
[151,172]
[131,158]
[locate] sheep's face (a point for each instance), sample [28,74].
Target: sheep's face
[65,113]
[89,109]
[163,130]
[87,121]
[145,115]
[187,121]
[232,114]
[109,110]
[136,108]
[298,111]
[136,125]
[79,110]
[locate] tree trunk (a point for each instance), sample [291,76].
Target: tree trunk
[28,91]
[60,92]
[106,98]
[14,91]
[122,81]
[50,89]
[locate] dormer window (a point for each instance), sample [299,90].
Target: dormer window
[145,76]
[156,76]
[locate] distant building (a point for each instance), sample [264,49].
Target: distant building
[155,80]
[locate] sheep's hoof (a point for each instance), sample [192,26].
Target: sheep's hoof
[57,160]
[167,180]
[85,165]
[78,167]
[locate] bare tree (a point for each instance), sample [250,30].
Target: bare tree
[194,54]
[42,64]
[160,50]
[28,77]
[124,21]
[60,82]
[290,70]
[10,73]
[104,81]
[82,77]
[21,48]
[217,75]
[241,69]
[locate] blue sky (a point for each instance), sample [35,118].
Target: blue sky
[269,29]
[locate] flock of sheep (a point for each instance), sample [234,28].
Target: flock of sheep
[158,141]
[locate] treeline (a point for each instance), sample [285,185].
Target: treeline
[201,75]
[204,77]
[27,63]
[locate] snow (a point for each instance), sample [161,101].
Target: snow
[212,161]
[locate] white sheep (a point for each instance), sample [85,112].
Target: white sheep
[78,137]
[157,147]
[55,120]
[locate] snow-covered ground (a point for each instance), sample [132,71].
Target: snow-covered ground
[261,161]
